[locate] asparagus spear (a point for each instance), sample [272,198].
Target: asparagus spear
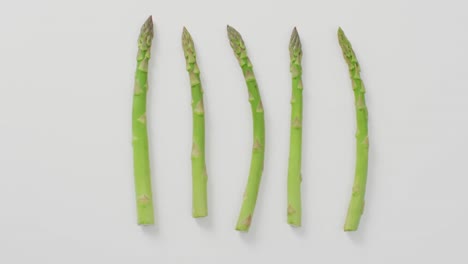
[141,164]
[199,176]
[258,150]
[356,205]
[295,148]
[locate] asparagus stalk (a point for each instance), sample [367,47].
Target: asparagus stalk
[141,163]
[295,148]
[258,150]
[356,205]
[199,176]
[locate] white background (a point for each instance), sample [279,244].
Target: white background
[66,184]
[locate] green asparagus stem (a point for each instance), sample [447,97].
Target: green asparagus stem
[356,205]
[295,148]
[141,163]
[258,150]
[199,176]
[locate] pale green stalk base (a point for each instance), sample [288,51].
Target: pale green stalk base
[141,163]
[199,175]
[356,205]
[258,150]
[295,148]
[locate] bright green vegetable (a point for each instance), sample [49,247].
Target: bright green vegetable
[295,148]
[199,176]
[356,205]
[141,161]
[258,150]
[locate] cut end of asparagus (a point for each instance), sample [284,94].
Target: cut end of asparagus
[199,214]
[243,225]
[351,226]
[295,47]
[237,43]
[145,214]
[243,229]
[353,218]
[145,224]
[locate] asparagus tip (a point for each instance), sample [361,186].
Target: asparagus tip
[149,21]
[341,35]
[295,46]
[146,34]
[233,34]
[185,34]
[345,45]
[187,42]
[236,41]
[147,27]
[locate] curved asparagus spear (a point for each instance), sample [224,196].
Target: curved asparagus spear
[295,148]
[356,205]
[199,176]
[141,161]
[258,150]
